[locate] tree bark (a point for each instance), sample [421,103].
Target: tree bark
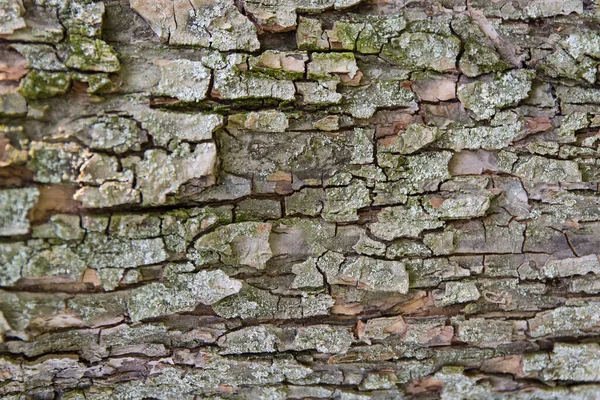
[292,199]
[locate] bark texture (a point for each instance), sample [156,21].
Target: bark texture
[290,199]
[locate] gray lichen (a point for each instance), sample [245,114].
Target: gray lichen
[270,199]
[485,98]
[15,204]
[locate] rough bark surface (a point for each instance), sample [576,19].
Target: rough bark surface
[289,199]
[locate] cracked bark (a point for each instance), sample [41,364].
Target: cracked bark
[198,202]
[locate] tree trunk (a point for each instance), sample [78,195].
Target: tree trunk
[290,199]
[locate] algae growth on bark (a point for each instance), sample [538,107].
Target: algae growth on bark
[299,199]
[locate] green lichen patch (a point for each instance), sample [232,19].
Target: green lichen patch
[82,17]
[13,256]
[419,50]
[377,31]
[479,55]
[250,302]
[307,201]
[572,123]
[87,54]
[325,65]
[310,35]
[252,220]
[59,261]
[98,83]
[567,362]
[280,65]
[56,162]
[343,35]
[42,84]
[560,64]
[578,95]
[405,248]
[231,83]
